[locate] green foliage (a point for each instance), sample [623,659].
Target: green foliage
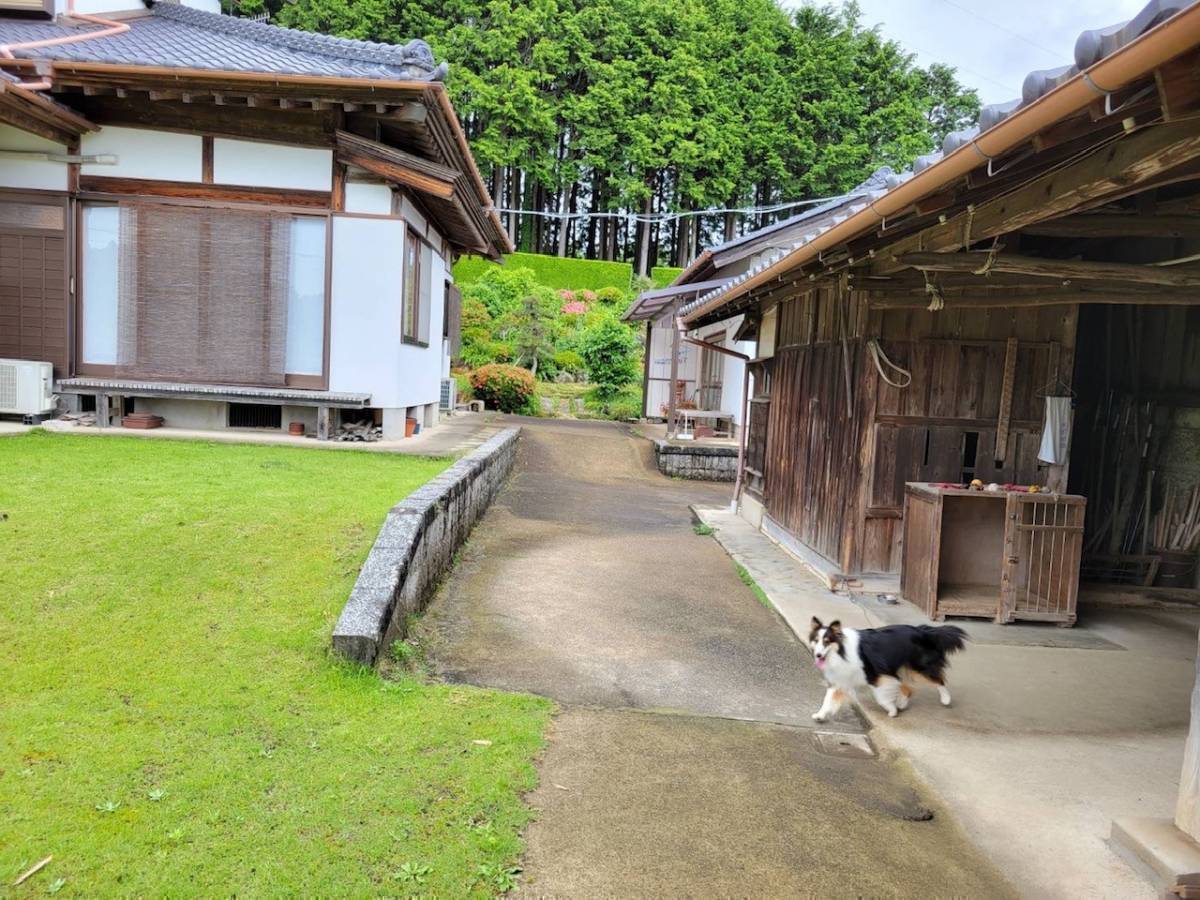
[569,361]
[509,389]
[464,390]
[609,349]
[679,104]
[621,405]
[237,755]
[703,530]
[559,273]
[661,276]
[748,580]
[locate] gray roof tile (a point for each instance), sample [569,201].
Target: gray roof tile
[177,36]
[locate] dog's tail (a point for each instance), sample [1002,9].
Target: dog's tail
[946,638]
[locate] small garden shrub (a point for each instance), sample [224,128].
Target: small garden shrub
[507,388]
[569,361]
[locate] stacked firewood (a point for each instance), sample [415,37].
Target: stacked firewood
[1177,524]
[362,430]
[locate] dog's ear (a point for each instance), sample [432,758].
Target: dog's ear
[816,623]
[835,628]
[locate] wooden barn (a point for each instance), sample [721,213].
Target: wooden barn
[1038,274]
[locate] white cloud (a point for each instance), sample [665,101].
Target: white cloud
[993,45]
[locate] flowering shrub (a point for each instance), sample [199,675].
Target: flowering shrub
[506,388]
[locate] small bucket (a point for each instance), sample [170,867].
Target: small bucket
[1176,569]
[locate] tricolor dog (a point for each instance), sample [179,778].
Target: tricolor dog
[883,659]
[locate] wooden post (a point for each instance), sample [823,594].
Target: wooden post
[103,410]
[1187,807]
[324,423]
[1006,399]
[671,410]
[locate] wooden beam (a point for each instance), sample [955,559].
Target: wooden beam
[1177,83]
[395,165]
[214,193]
[1067,269]
[1113,170]
[1103,225]
[337,200]
[302,127]
[1009,300]
[206,159]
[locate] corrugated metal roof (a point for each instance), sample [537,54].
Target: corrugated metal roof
[1091,47]
[176,36]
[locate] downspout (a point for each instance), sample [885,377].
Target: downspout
[1164,42]
[741,459]
[109,29]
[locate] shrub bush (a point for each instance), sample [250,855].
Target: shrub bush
[608,348]
[509,389]
[569,361]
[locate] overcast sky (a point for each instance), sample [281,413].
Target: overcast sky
[993,43]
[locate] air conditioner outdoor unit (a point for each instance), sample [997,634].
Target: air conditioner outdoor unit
[26,388]
[449,395]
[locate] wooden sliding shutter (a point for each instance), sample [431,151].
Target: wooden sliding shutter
[33,280]
[203,294]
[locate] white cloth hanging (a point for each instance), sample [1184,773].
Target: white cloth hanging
[1056,431]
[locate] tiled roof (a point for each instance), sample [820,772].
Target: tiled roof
[176,36]
[1091,47]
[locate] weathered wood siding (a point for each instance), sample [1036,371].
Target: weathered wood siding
[835,479]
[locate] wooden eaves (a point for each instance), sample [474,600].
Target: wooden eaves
[30,111]
[1148,55]
[412,102]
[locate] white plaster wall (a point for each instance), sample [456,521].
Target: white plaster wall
[142,153]
[375,199]
[35,174]
[658,393]
[422,366]
[259,164]
[366,354]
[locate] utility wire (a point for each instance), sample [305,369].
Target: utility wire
[673,216]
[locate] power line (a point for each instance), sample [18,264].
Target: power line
[982,18]
[672,216]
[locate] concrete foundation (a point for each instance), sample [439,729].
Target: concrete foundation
[199,414]
[701,462]
[1156,849]
[415,548]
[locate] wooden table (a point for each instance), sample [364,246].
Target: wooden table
[690,415]
[1006,555]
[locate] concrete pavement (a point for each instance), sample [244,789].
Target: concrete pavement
[683,761]
[1054,733]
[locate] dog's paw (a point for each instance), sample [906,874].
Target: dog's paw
[817,717]
[892,713]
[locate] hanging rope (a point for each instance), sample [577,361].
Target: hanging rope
[880,359]
[936,300]
[967,228]
[986,268]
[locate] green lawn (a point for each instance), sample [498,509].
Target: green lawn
[171,720]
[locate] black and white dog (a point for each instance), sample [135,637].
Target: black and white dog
[883,659]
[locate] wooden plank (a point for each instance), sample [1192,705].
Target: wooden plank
[1112,273]
[1108,225]
[1109,172]
[215,193]
[1006,399]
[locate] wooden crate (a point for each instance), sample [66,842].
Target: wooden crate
[1002,556]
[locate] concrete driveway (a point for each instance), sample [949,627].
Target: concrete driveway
[683,761]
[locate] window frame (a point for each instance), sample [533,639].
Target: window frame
[410,278]
[85,199]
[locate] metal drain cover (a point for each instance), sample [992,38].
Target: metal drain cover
[836,743]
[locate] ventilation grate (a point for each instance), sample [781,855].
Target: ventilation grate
[255,415]
[8,386]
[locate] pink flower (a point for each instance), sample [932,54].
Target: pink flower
[574,308]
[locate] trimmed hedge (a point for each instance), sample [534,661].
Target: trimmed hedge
[554,272]
[509,389]
[663,275]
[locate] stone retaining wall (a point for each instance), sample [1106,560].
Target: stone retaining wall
[416,546]
[696,461]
